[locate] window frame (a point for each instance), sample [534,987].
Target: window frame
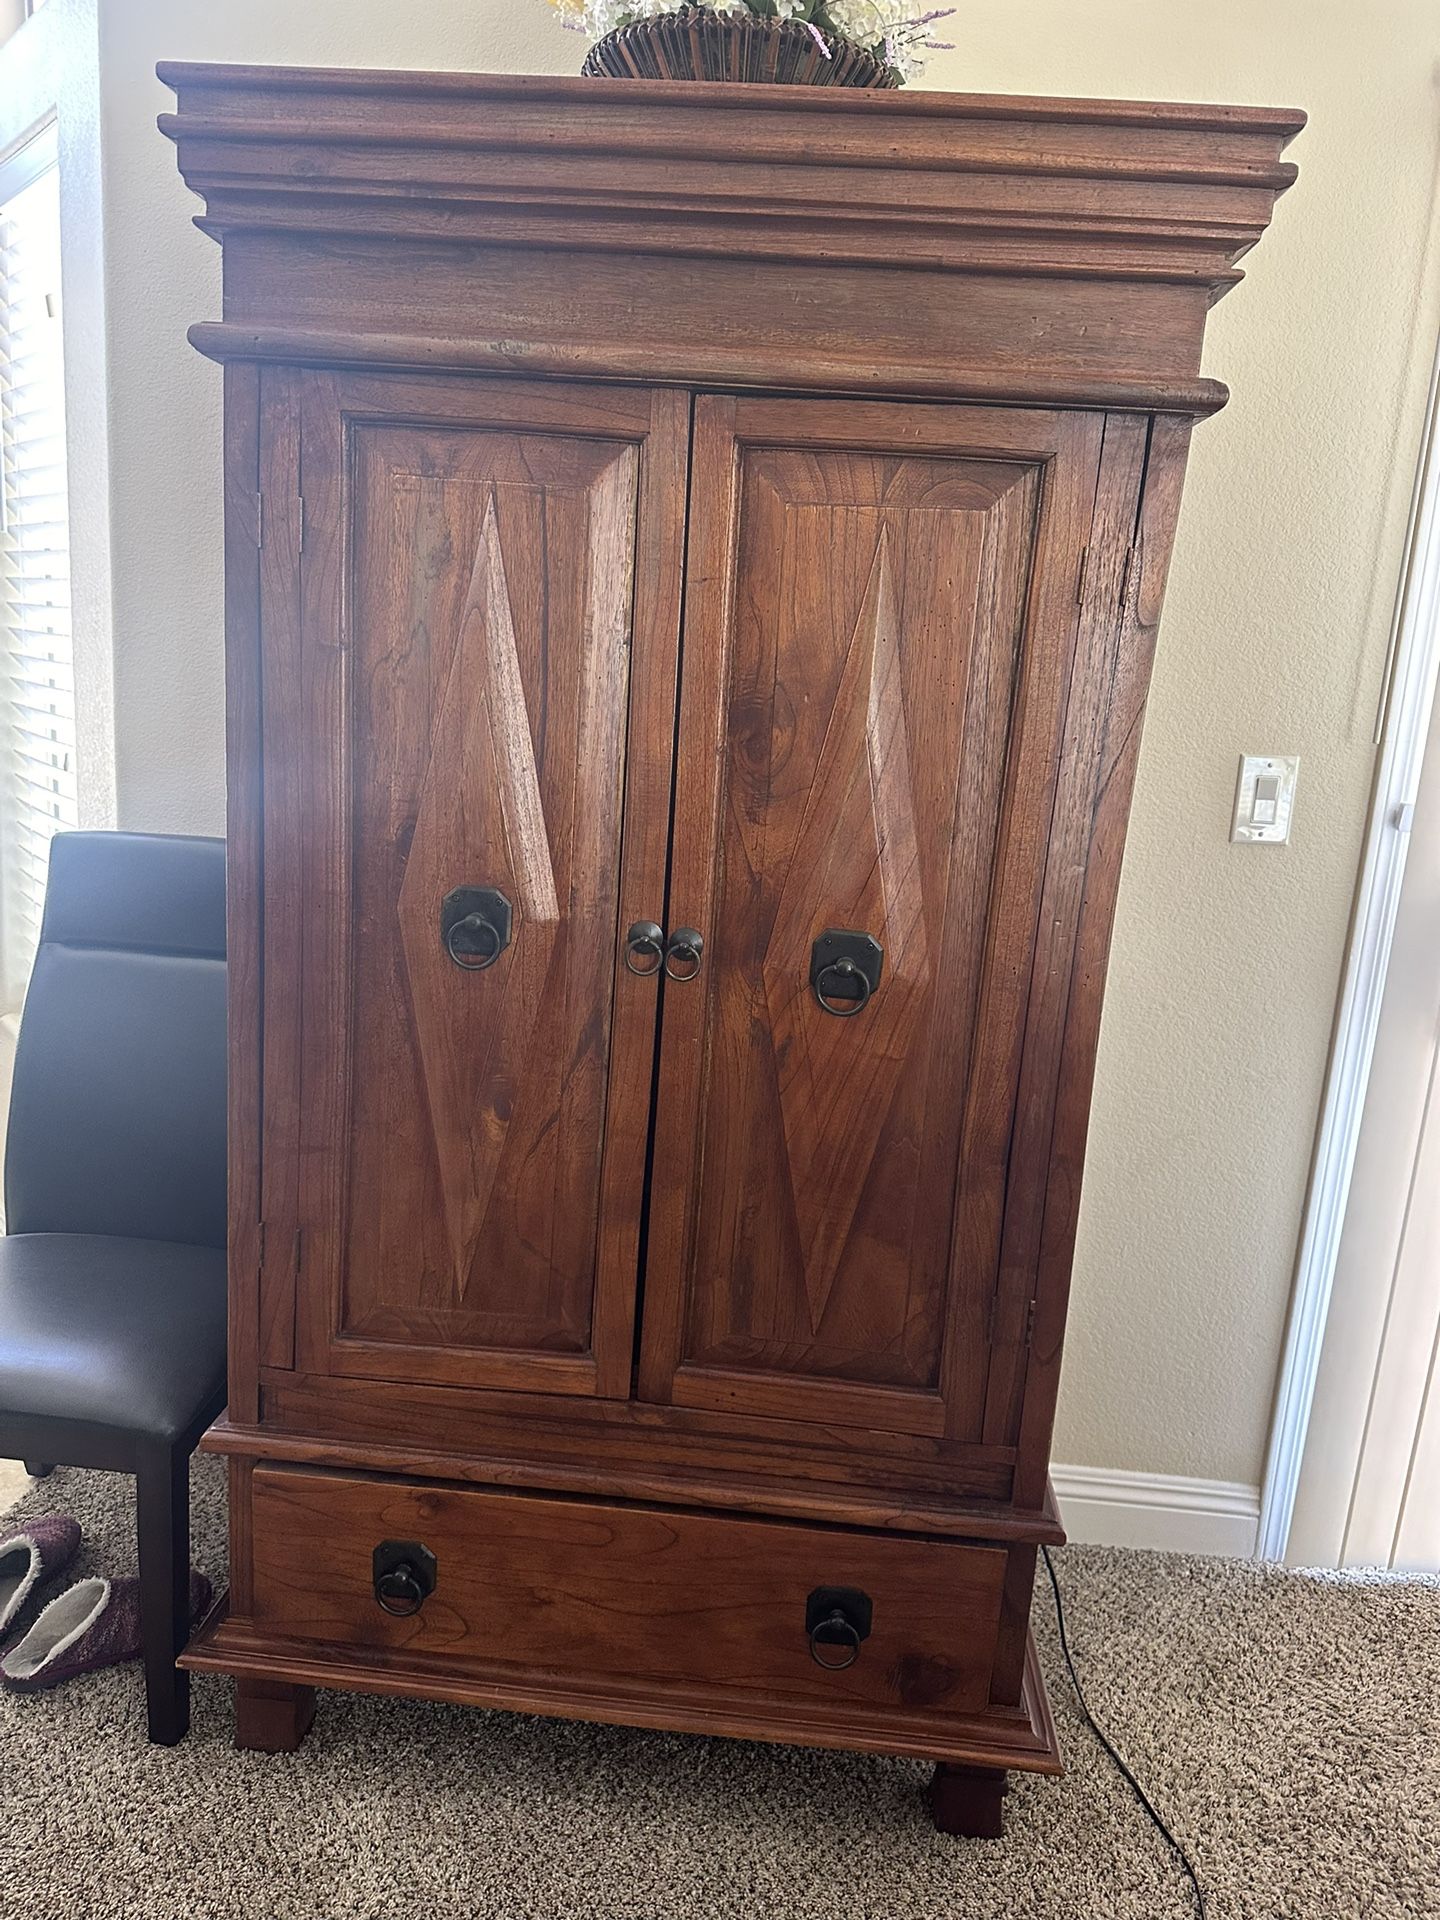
[21,168]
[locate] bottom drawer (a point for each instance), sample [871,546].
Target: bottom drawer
[630,1593]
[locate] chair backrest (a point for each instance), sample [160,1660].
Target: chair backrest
[117,1116]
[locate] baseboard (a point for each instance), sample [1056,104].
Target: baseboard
[1105,1507]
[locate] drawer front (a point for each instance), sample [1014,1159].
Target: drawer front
[625,1592]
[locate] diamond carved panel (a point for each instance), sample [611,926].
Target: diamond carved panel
[855,864]
[480,822]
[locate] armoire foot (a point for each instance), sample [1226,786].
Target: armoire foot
[271,1717]
[968,1800]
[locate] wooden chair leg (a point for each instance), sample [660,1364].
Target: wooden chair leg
[162,1498]
[38,1469]
[969,1801]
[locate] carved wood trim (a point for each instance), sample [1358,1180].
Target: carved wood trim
[730,214]
[1024,1740]
[689,365]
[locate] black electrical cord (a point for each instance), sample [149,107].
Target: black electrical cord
[1134,1785]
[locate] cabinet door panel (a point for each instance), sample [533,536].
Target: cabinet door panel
[882,611]
[468,578]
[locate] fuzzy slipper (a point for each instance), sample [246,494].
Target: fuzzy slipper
[94,1624]
[29,1558]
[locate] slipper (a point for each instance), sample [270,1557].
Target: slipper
[94,1624]
[36,1554]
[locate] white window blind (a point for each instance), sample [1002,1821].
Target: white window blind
[37,688]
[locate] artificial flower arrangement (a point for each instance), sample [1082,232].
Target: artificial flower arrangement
[844,42]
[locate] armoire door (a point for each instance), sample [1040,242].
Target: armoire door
[457,1098]
[881,616]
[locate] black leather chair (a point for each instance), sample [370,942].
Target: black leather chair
[112,1269]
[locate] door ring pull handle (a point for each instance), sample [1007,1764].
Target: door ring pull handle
[474,943]
[645,949]
[686,947]
[400,1591]
[853,976]
[835,1630]
[476,925]
[405,1573]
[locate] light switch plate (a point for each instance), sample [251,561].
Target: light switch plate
[1265,798]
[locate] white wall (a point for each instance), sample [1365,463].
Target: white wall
[1226,959]
[165,399]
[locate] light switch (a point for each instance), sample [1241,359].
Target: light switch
[1265,797]
[1266,809]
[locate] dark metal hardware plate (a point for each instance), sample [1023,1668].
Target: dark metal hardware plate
[405,1573]
[645,948]
[683,953]
[845,968]
[475,924]
[837,1620]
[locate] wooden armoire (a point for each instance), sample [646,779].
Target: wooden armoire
[692,562]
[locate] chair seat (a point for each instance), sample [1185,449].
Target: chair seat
[126,1334]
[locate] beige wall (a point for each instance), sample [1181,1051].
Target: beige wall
[1226,959]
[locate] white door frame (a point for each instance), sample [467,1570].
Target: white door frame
[1408,699]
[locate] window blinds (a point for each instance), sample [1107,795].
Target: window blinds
[37,694]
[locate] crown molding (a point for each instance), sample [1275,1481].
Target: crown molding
[1129,190]
[928,229]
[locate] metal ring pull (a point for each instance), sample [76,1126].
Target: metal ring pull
[405,1574]
[839,1632]
[474,943]
[686,946]
[400,1591]
[476,924]
[848,1005]
[645,949]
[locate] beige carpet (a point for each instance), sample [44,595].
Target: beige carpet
[1286,1723]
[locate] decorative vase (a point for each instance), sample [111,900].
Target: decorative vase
[697,43]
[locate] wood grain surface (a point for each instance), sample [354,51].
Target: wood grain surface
[465,703]
[1052,250]
[736,508]
[876,664]
[616,1591]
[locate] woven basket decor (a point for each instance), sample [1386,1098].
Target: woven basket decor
[696,43]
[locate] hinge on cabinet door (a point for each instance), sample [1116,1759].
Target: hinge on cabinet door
[260,1258]
[1080,576]
[299,523]
[1030,1323]
[299,1232]
[259,519]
